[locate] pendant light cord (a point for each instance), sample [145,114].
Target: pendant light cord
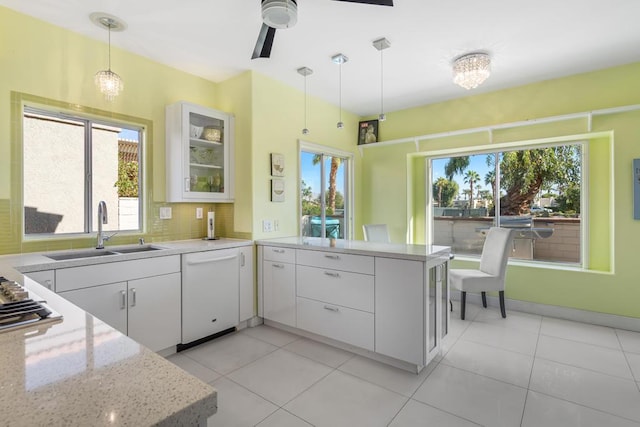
[305,101]
[381,83]
[109,24]
[340,90]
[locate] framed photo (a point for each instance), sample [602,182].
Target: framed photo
[277,190]
[277,164]
[368,132]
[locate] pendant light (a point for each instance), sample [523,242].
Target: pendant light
[305,71]
[340,59]
[108,82]
[381,44]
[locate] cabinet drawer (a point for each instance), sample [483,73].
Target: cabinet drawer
[336,261]
[99,274]
[350,326]
[336,287]
[271,253]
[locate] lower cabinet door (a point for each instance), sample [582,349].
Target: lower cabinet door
[106,302]
[344,324]
[279,292]
[154,311]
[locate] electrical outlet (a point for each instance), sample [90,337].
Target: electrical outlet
[267,226]
[165,212]
[276,225]
[198,213]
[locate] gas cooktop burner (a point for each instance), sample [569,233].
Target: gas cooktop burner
[18,309]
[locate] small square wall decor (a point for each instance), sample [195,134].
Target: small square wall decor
[277,164]
[277,190]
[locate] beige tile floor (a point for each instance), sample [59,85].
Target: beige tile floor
[525,370]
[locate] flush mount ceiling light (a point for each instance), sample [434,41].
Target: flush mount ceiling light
[280,13]
[469,71]
[305,71]
[108,82]
[381,44]
[339,59]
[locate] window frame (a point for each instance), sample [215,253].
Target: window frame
[518,146]
[89,118]
[314,148]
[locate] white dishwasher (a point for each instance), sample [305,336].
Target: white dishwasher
[210,293]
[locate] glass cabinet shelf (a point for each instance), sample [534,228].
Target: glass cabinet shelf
[199,154]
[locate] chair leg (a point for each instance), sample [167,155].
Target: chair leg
[484,299]
[463,303]
[502,309]
[451,304]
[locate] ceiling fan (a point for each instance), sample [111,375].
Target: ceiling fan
[278,14]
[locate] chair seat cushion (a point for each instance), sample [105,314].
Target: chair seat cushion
[474,281]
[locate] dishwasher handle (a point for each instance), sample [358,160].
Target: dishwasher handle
[211,260]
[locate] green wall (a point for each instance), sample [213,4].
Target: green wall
[50,63]
[610,286]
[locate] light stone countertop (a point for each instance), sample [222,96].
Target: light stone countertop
[81,372]
[360,247]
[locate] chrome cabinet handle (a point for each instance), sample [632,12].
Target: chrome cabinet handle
[332,274]
[335,257]
[334,309]
[278,251]
[278,266]
[133,297]
[242,259]
[123,300]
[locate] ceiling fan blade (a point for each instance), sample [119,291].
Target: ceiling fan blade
[375,2]
[264,43]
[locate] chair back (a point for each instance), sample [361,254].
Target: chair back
[495,251]
[376,233]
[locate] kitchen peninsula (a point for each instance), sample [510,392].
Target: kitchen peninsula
[382,300]
[79,370]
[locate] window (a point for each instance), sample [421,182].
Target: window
[324,192]
[70,164]
[536,191]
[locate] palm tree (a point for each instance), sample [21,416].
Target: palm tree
[471,177]
[440,184]
[490,179]
[456,165]
[333,173]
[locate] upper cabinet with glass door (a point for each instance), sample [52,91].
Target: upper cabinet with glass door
[199,154]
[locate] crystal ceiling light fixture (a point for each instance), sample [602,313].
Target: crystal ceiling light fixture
[108,82]
[339,59]
[470,70]
[305,71]
[382,44]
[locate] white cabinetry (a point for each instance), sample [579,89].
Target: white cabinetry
[394,308]
[210,293]
[140,298]
[199,154]
[46,278]
[279,285]
[247,283]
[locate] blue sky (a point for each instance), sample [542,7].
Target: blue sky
[311,173]
[477,163]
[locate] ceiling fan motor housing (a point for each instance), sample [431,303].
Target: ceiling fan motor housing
[280,13]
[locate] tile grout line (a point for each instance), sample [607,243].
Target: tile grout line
[624,353]
[533,364]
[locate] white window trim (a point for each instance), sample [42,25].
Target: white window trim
[349,184]
[63,113]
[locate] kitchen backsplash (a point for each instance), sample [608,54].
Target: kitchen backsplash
[182,225]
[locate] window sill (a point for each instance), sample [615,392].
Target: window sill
[538,264]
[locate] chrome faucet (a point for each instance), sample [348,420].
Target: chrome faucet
[102,219]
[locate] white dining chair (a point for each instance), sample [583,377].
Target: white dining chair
[492,273]
[376,233]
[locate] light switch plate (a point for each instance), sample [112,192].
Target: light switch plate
[165,212]
[198,213]
[267,226]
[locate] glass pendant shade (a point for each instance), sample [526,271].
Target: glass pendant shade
[470,71]
[109,83]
